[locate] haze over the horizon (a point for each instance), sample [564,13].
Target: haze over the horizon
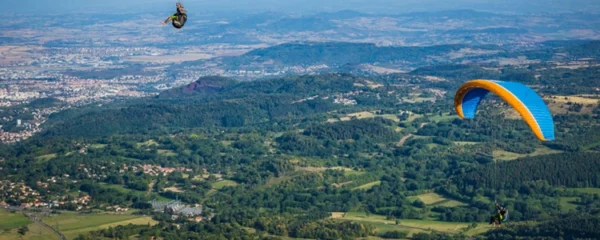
[298,6]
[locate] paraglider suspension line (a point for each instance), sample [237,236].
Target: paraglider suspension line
[495,160]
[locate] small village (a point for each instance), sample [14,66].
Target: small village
[24,196]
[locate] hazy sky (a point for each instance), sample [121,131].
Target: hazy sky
[298,6]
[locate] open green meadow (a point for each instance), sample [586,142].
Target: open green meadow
[567,205]
[367,186]
[73,224]
[11,222]
[167,153]
[484,199]
[46,157]
[97,146]
[434,199]
[410,225]
[36,232]
[464,143]
[147,143]
[224,183]
[347,171]
[418,99]
[508,156]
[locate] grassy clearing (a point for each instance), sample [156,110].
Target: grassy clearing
[97,146]
[484,199]
[119,188]
[432,145]
[381,227]
[573,99]
[164,152]
[444,117]
[46,157]
[590,146]
[224,183]
[338,185]
[413,116]
[353,173]
[146,143]
[361,115]
[392,117]
[365,115]
[543,151]
[36,232]
[367,186]
[348,117]
[434,199]
[373,85]
[559,104]
[508,156]
[587,190]
[431,198]
[347,171]
[72,224]
[173,189]
[465,143]
[379,222]
[206,175]
[450,203]
[398,129]
[437,225]
[418,99]
[413,226]
[566,205]
[511,113]
[10,221]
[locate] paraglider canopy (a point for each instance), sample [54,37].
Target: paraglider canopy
[522,98]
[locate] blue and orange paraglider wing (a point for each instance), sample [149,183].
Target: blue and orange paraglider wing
[522,98]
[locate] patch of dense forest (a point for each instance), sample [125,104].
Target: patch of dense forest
[567,227]
[581,169]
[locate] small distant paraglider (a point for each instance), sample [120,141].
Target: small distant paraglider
[179,18]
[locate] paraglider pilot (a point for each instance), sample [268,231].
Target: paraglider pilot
[179,18]
[500,216]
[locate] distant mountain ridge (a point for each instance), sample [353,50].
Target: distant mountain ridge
[340,53]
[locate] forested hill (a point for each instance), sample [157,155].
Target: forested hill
[297,86]
[214,102]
